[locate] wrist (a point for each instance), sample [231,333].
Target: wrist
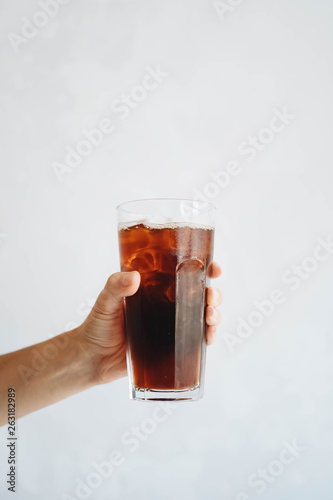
[84,361]
[102,365]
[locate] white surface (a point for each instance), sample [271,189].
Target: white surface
[58,239]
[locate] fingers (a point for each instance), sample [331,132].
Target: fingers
[214,299]
[118,285]
[121,285]
[210,335]
[214,296]
[213,316]
[214,270]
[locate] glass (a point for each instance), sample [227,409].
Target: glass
[170,243]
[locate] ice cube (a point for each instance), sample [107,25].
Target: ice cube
[142,262]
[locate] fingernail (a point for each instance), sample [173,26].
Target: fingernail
[127,279]
[211,311]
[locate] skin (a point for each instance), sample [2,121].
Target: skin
[92,354]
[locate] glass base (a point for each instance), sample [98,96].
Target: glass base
[192,394]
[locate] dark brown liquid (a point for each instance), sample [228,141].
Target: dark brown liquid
[164,320]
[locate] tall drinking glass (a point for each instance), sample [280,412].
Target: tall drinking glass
[170,243]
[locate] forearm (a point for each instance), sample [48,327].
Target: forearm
[45,373]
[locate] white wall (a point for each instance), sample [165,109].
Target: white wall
[226,76]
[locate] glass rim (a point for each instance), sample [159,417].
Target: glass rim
[205,203]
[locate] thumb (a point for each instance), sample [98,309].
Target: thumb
[118,285]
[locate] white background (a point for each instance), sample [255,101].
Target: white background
[226,74]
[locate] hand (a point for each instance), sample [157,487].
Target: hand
[102,335]
[214,299]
